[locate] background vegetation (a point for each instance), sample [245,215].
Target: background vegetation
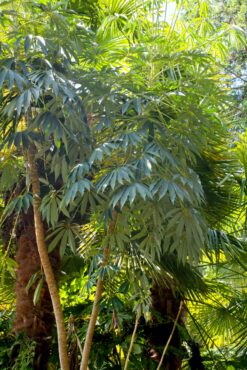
[123,182]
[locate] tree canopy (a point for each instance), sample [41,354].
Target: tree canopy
[123,182]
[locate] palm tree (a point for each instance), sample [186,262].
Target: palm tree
[140,177]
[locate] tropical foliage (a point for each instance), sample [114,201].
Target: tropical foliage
[123,160]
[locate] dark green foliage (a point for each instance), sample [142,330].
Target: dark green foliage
[129,114]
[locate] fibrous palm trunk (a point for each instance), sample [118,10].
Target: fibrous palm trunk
[35,321]
[168,312]
[165,308]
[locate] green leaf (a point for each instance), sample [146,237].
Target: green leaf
[71,239]
[27,42]
[124,288]
[32,280]
[63,243]
[55,241]
[138,105]
[37,292]
[19,104]
[3,74]
[125,106]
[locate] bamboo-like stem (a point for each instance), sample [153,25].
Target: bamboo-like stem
[132,341]
[171,335]
[91,326]
[45,261]
[97,298]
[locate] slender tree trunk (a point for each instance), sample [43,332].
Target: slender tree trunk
[45,261]
[91,326]
[97,298]
[132,341]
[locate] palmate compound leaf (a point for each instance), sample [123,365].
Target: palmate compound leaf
[185,233]
[122,141]
[116,177]
[98,153]
[59,165]
[144,165]
[151,245]
[20,139]
[78,172]
[20,204]
[50,207]
[157,151]
[175,191]
[11,78]
[129,193]
[50,124]
[79,187]
[65,234]
[135,103]
[20,103]
[129,138]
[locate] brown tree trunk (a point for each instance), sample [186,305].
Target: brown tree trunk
[91,326]
[45,261]
[166,308]
[35,321]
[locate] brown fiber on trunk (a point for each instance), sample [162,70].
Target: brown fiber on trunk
[35,321]
[165,307]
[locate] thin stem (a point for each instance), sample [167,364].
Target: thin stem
[170,337]
[132,341]
[91,326]
[45,261]
[97,298]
